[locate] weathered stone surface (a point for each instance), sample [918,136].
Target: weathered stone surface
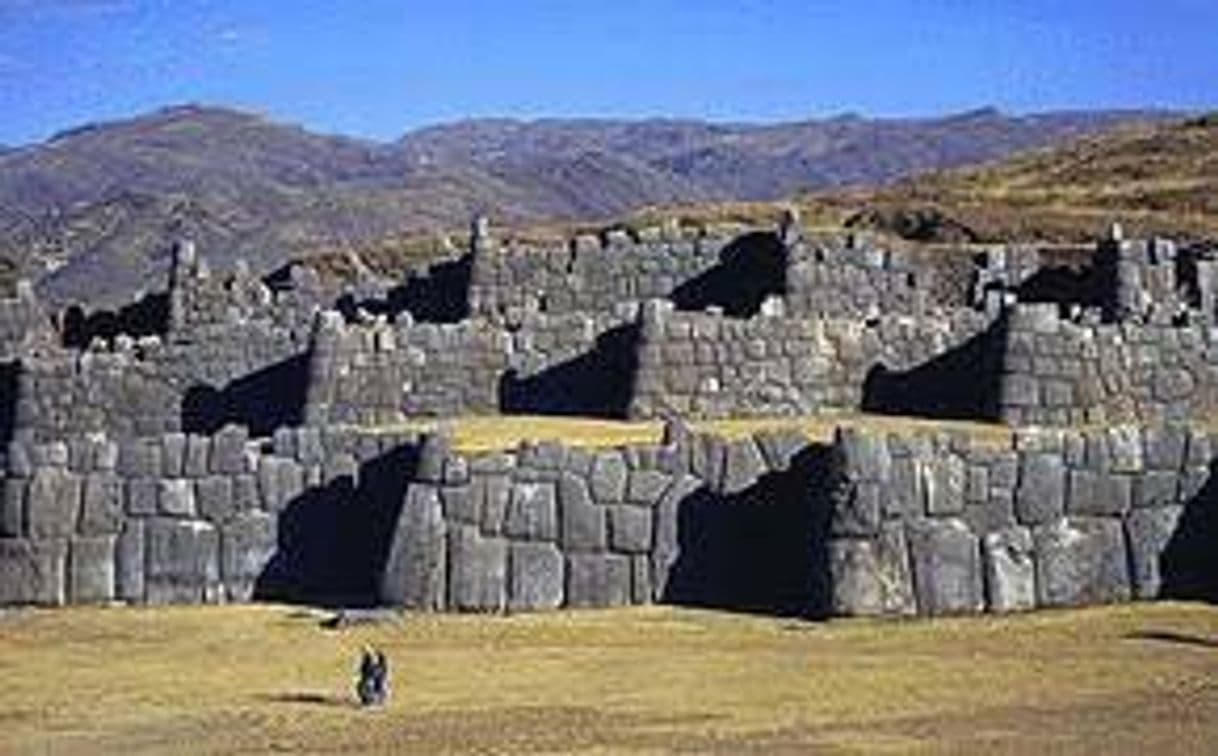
[1041,494]
[1093,493]
[129,562]
[52,503]
[645,487]
[781,447]
[477,577]
[864,455]
[856,509]
[309,448]
[666,545]
[1010,570]
[33,572]
[460,504]
[182,561]
[214,497]
[1080,561]
[630,529]
[871,577]
[1165,446]
[198,449]
[944,484]
[434,450]
[176,497]
[143,495]
[1155,488]
[280,481]
[456,470]
[640,579]
[608,479]
[247,545]
[1149,532]
[532,512]
[12,508]
[140,457]
[1125,449]
[91,569]
[495,495]
[946,567]
[598,580]
[742,465]
[903,495]
[245,492]
[536,576]
[173,455]
[582,523]
[706,458]
[415,573]
[101,511]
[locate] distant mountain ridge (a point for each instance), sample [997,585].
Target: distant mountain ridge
[91,211]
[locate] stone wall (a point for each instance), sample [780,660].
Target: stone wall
[709,365]
[23,323]
[941,525]
[1059,371]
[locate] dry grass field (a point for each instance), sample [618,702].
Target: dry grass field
[1129,679]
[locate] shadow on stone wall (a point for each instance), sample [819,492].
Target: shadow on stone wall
[149,316]
[334,540]
[271,398]
[1064,285]
[440,296]
[9,372]
[598,383]
[750,268]
[1188,565]
[960,384]
[762,550]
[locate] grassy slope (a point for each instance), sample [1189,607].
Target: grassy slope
[218,679]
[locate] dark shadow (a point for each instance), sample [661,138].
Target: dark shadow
[309,698]
[267,399]
[597,383]
[440,295]
[762,550]
[1169,636]
[750,268]
[960,384]
[334,540]
[149,316]
[1063,285]
[1188,565]
[10,372]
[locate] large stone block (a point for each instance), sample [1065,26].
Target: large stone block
[1155,488]
[12,507]
[781,447]
[645,487]
[248,542]
[434,450]
[532,512]
[1165,446]
[536,576]
[1080,561]
[903,495]
[228,450]
[198,448]
[863,455]
[598,580]
[214,498]
[945,481]
[281,481]
[582,523]
[495,495]
[415,573]
[630,529]
[608,479]
[460,504]
[52,503]
[742,465]
[1095,493]
[871,576]
[140,458]
[129,562]
[1010,570]
[91,565]
[1150,531]
[101,511]
[946,567]
[856,508]
[182,561]
[143,495]
[173,455]
[33,572]
[176,497]
[477,570]
[1041,495]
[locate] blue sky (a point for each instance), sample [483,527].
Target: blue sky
[377,68]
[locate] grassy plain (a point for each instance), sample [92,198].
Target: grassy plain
[1128,679]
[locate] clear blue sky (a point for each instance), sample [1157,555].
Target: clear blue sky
[377,68]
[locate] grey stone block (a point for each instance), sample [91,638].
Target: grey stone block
[415,573]
[129,562]
[903,495]
[477,570]
[1041,494]
[532,512]
[1125,449]
[1010,570]
[646,486]
[248,543]
[214,498]
[863,455]
[781,447]
[12,508]
[33,572]
[52,503]
[856,509]
[1080,561]
[640,579]
[143,495]
[666,546]
[101,511]
[1149,532]
[742,465]
[1165,446]
[598,580]
[460,504]
[1155,488]
[91,564]
[706,459]
[182,561]
[871,577]
[434,450]
[309,448]
[1093,493]
[945,480]
[456,470]
[140,458]
[946,567]
[608,478]
[496,494]
[582,523]
[536,576]
[245,492]
[630,529]
[281,481]
[176,497]
[198,449]
[173,455]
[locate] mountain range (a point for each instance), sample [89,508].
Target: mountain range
[91,212]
